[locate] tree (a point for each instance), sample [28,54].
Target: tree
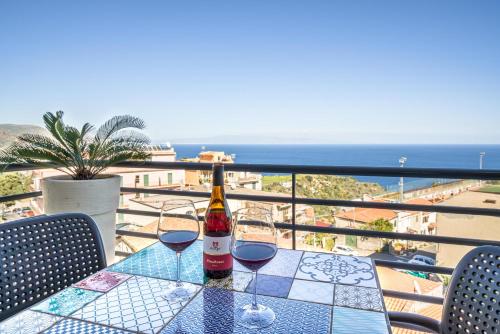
[79,152]
[381,225]
[13,183]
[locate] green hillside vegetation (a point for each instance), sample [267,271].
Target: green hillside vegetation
[495,189]
[324,187]
[270,179]
[13,183]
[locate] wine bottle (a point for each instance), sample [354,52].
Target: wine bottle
[217,259]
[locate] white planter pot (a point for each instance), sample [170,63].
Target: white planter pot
[98,198]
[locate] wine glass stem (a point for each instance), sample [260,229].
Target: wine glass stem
[254,297]
[178,283]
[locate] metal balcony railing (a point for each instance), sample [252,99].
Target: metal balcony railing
[293,199]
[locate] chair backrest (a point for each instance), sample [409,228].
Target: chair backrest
[473,301]
[42,255]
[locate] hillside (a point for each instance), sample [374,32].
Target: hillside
[324,187]
[9,132]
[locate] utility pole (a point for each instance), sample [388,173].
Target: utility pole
[402,162]
[481,157]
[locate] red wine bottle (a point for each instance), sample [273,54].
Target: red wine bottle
[217,259]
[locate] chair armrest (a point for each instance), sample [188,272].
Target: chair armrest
[415,322]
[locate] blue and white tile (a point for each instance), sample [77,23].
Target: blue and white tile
[333,268]
[158,261]
[212,311]
[238,281]
[27,322]
[69,326]
[284,264]
[354,321]
[358,297]
[136,305]
[67,301]
[275,286]
[316,292]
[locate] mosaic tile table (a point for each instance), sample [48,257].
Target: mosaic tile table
[309,292]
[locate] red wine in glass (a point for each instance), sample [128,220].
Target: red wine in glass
[254,244]
[178,228]
[254,255]
[178,241]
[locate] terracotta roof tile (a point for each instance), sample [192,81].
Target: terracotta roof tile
[367,215]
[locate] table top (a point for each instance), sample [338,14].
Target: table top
[309,292]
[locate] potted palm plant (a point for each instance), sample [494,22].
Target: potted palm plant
[83,155]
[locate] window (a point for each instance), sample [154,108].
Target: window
[170,178]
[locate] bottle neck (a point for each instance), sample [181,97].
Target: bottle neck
[218,176]
[218,192]
[218,182]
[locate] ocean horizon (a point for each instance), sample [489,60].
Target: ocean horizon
[375,155]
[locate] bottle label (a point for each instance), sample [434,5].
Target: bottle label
[216,253]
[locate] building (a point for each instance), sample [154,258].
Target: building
[421,222]
[235,180]
[417,222]
[281,212]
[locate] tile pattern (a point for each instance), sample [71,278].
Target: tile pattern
[317,292]
[160,262]
[353,321]
[136,305]
[211,312]
[358,297]
[102,281]
[67,301]
[238,281]
[27,322]
[284,264]
[69,326]
[337,269]
[275,286]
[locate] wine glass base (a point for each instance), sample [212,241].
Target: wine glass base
[179,293]
[261,317]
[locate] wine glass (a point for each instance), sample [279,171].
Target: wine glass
[253,245]
[178,228]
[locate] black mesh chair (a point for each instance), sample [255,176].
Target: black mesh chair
[472,304]
[42,255]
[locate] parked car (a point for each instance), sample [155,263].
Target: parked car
[422,259]
[27,213]
[344,250]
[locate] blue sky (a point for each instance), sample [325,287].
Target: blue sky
[259,71]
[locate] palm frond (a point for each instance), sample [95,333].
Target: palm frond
[118,123]
[86,129]
[78,152]
[42,142]
[55,125]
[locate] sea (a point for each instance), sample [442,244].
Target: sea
[438,156]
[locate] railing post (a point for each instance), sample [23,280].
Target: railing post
[294,179]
